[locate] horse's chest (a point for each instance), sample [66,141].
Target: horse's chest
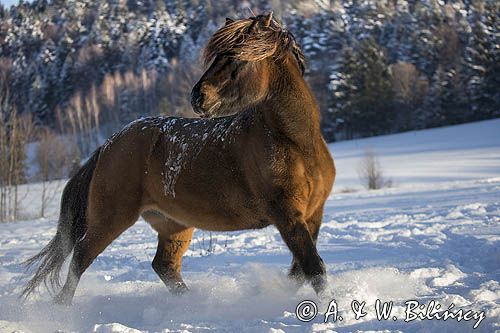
[291,169]
[309,176]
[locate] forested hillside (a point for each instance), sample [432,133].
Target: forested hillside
[376,67]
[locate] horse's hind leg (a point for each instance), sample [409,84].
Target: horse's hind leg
[168,259]
[101,231]
[173,242]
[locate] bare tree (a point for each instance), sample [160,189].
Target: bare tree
[53,159]
[408,84]
[4,169]
[410,88]
[15,134]
[370,172]
[177,87]
[83,117]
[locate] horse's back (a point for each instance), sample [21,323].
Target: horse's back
[119,175]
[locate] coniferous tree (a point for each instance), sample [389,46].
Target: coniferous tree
[344,85]
[374,99]
[482,58]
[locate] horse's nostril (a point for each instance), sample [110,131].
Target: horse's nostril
[196,100]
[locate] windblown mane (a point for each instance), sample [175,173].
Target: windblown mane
[248,40]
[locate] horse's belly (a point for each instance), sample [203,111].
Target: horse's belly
[221,223]
[228,225]
[212,215]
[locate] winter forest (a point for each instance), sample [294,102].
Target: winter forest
[74,72]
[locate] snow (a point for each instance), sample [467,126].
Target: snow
[433,236]
[429,157]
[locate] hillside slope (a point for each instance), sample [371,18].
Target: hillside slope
[427,157]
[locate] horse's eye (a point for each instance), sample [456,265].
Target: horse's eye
[234,70]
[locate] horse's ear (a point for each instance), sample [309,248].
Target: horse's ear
[268,20]
[229,21]
[252,27]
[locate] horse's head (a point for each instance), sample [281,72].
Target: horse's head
[244,56]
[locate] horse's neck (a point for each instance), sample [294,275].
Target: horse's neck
[293,112]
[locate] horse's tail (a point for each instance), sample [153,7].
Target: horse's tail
[71,228]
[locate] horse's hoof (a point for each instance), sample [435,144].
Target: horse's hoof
[319,284]
[298,279]
[179,288]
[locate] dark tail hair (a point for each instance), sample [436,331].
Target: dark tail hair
[71,228]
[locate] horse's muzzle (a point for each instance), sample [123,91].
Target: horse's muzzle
[197,99]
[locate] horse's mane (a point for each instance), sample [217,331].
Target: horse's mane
[250,40]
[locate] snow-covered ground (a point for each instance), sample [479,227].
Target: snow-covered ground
[433,236]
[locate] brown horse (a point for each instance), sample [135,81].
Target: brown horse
[267,164]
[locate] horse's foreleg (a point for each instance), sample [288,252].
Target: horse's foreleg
[297,237]
[313,226]
[296,273]
[173,242]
